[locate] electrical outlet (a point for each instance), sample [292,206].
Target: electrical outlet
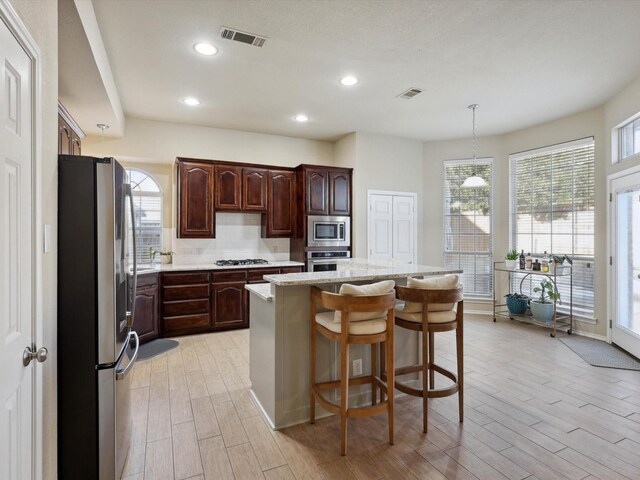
[357,367]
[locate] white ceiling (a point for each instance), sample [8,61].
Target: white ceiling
[524,62]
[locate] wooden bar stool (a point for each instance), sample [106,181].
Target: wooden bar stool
[355,319]
[429,309]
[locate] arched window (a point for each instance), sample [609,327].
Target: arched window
[147,202]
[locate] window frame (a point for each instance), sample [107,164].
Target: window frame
[143,193]
[470,161]
[617,143]
[589,316]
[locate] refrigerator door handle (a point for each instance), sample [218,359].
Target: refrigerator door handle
[130,314]
[123,372]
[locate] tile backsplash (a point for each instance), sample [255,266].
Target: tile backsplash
[237,236]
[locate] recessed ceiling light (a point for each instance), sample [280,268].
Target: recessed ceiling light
[301,118]
[205,49]
[191,101]
[348,81]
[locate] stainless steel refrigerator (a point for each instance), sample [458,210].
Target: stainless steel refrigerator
[97,342]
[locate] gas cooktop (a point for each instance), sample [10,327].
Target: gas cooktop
[246,261]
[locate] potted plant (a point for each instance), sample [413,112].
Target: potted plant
[511,259]
[517,303]
[165,257]
[543,307]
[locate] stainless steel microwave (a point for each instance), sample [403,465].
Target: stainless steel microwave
[328,231]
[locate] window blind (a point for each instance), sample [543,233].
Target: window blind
[552,210]
[147,204]
[468,225]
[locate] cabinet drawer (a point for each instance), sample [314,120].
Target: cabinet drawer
[184,278]
[255,275]
[185,323]
[185,307]
[185,292]
[147,280]
[233,276]
[291,269]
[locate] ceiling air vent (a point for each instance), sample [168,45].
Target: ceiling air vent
[412,92]
[242,37]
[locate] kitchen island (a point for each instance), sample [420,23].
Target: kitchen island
[279,337]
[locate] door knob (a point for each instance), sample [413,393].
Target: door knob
[31,354]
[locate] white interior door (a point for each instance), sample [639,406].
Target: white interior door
[16,249]
[403,229]
[626,262]
[392,227]
[381,227]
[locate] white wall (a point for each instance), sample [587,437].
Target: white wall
[618,109]
[382,163]
[41,19]
[162,142]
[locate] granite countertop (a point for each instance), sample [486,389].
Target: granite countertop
[212,266]
[358,269]
[262,290]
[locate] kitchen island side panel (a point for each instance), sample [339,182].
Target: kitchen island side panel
[280,342]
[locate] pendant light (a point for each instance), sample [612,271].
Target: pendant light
[474,181]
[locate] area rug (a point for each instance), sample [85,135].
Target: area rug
[600,354]
[156,347]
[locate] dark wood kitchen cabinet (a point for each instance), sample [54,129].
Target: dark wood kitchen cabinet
[326,191]
[146,312]
[228,187]
[316,191]
[340,193]
[229,299]
[185,303]
[254,189]
[196,213]
[280,217]
[69,142]
[241,188]
[201,301]
[229,305]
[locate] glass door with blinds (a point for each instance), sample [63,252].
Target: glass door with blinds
[625,243]
[552,210]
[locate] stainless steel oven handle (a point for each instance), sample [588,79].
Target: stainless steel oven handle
[130,315]
[122,372]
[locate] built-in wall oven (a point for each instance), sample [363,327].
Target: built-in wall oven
[326,261]
[328,231]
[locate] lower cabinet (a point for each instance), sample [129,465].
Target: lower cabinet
[229,305]
[199,302]
[146,322]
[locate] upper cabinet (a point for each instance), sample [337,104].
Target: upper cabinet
[228,187]
[254,189]
[196,214]
[317,191]
[340,192]
[327,191]
[283,195]
[69,134]
[241,188]
[280,216]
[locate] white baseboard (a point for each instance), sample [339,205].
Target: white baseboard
[589,335]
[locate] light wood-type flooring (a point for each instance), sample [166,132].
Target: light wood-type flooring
[533,410]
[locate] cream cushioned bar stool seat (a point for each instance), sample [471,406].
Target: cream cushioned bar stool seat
[432,305]
[359,315]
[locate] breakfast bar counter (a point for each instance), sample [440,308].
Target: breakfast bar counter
[279,336]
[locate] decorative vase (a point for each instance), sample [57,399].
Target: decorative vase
[517,306]
[511,264]
[165,259]
[542,311]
